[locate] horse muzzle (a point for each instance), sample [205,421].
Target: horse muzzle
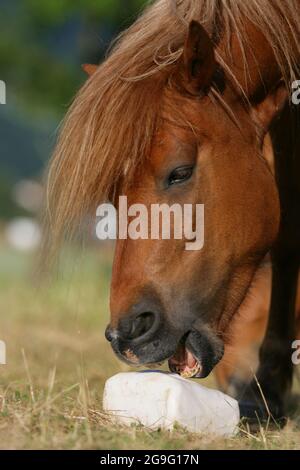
[145,339]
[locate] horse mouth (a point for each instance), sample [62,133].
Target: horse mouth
[184,363]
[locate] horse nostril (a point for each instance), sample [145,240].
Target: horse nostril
[135,327]
[141,325]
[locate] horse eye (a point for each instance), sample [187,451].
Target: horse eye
[180,174]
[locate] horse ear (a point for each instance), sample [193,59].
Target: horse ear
[199,58]
[265,112]
[89,69]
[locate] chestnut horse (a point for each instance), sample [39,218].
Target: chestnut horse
[179,113]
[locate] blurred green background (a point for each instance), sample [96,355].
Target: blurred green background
[42,47]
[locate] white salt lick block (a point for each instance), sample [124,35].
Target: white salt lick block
[160,400]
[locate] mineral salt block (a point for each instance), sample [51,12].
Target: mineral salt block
[160,400]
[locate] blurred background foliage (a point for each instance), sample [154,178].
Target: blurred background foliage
[42,46]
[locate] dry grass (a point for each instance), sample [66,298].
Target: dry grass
[58,361]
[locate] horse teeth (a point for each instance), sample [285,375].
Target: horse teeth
[190,373]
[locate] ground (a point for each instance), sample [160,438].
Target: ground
[58,361]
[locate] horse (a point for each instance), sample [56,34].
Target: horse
[180,112]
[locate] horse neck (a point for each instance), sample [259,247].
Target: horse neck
[252,66]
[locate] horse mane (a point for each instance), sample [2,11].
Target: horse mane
[111,123]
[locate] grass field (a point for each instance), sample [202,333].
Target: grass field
[58,361]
